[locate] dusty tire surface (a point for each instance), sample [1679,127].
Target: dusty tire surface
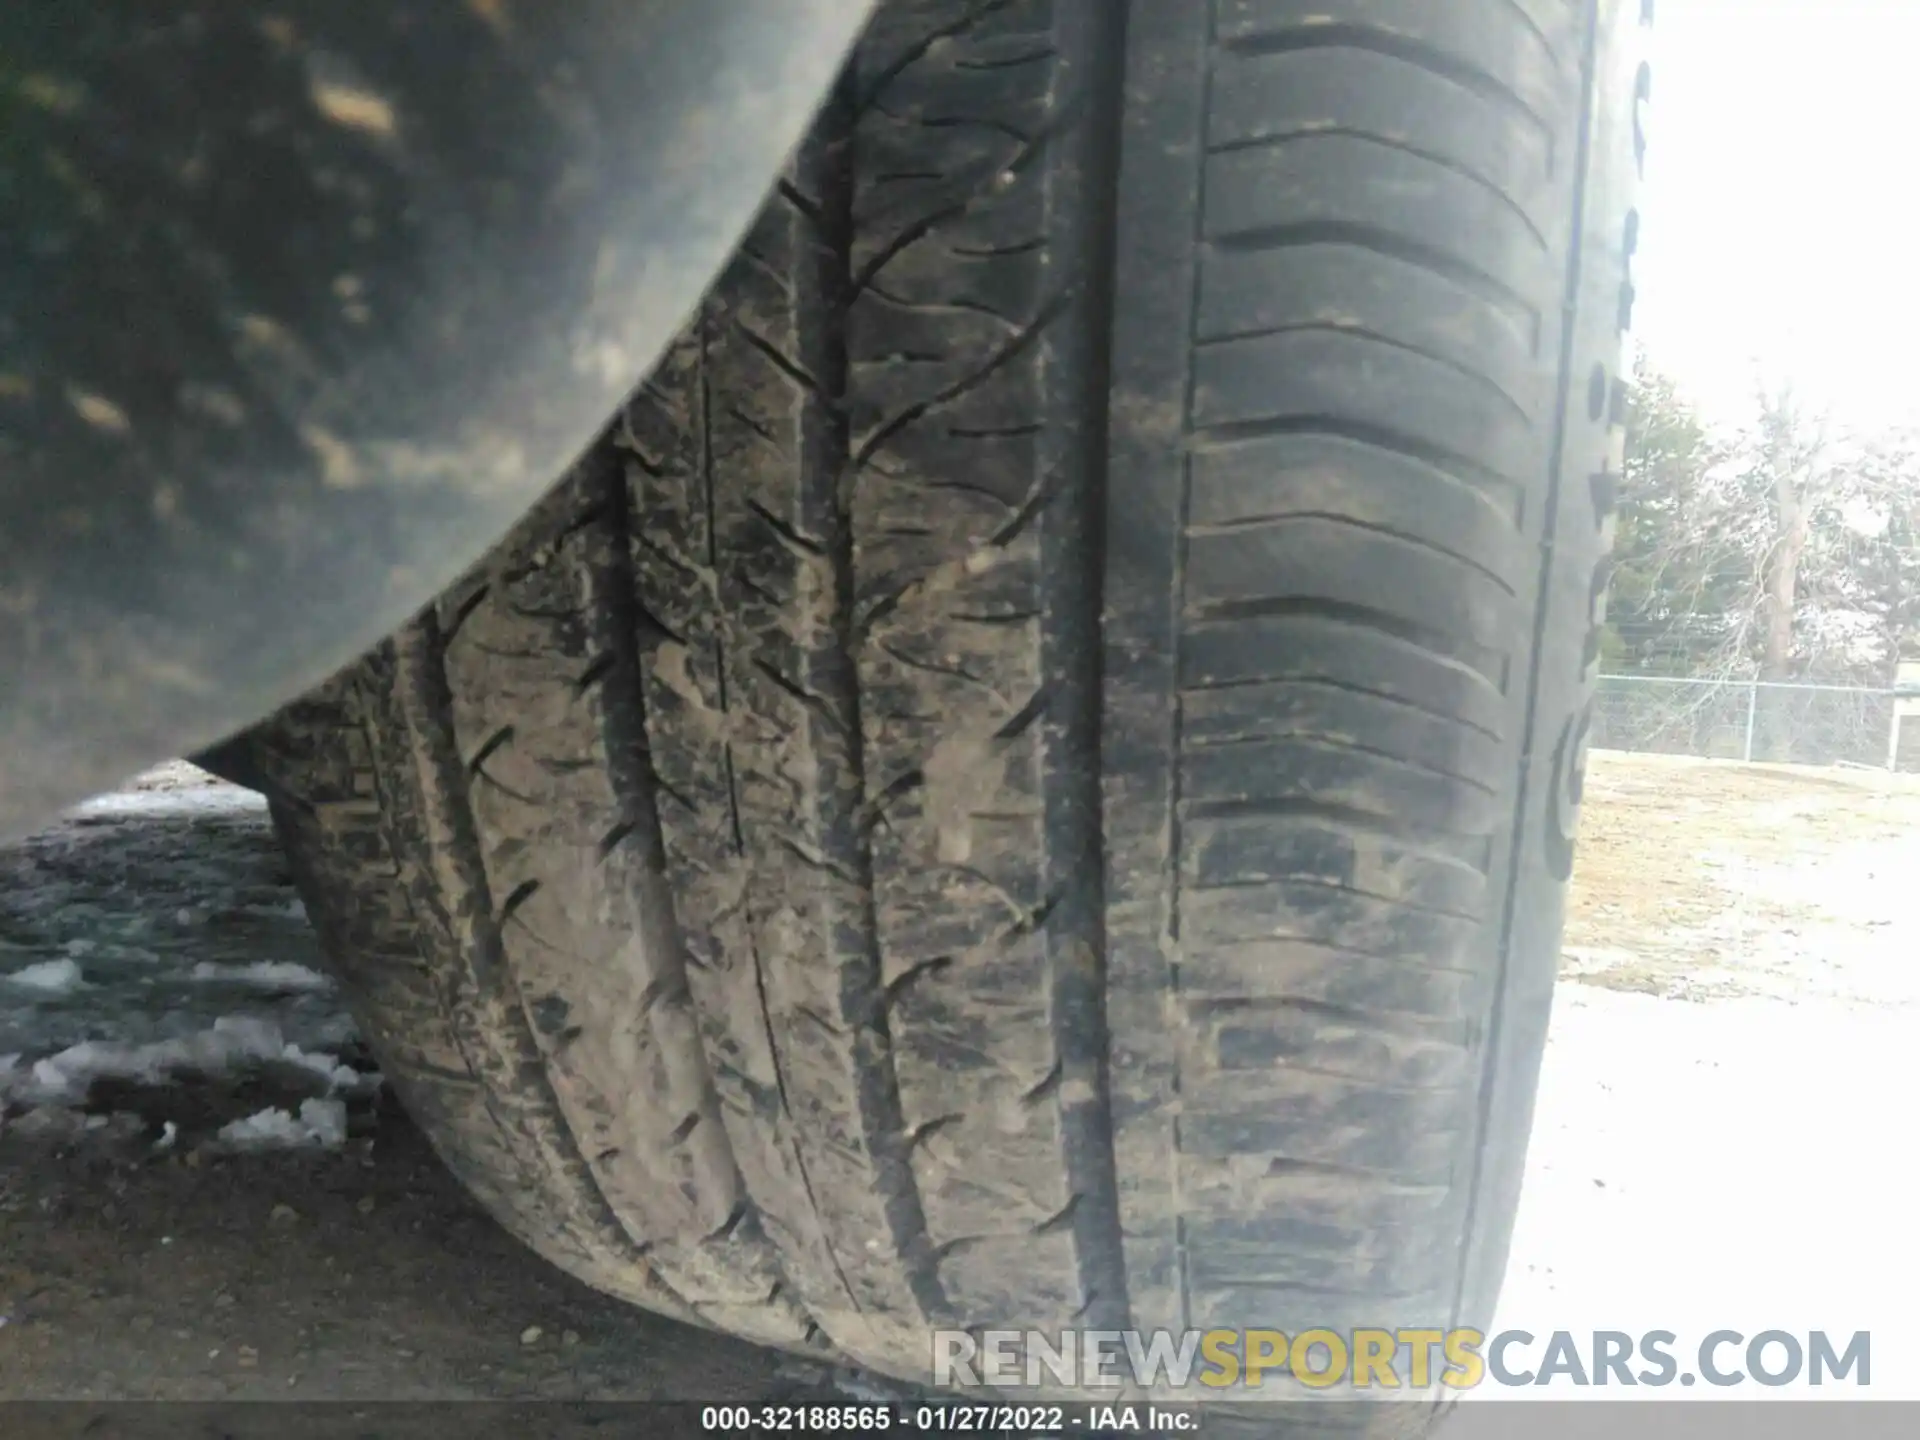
[1028,779]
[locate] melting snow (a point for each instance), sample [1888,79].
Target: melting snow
[49,977]
[321,1123]
[232,1043]
[265,975]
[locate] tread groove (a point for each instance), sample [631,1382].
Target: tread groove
[1296,882]
[1532,23]
[1487,86]
[426,708]
[1068,494]
[1333,951]
[1399,1026]
[1281,1167]
[1346,687]
[1394,245]
[1437,643]
[1342,745]
[617,626]
[1276,519]
[1418,152]
[1347,816]
[1265,332]
[899,421]
[803,649]
[1463,469]
[877,86]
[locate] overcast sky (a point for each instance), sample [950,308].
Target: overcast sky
[1781,210]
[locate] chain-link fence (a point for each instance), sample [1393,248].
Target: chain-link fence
[1748,720]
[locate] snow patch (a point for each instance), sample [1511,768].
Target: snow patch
[264,975]
[49,977]
[197,800]
[234,1042]
[320,1124]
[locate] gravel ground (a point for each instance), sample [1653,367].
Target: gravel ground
[1713,1148]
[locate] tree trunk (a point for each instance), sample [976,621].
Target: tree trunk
[1782,595]
[1783,576]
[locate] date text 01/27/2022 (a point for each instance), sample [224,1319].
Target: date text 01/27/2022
[951,1418]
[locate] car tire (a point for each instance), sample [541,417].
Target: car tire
[1029,778]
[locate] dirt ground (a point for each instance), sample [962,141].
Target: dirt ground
[364,1272]
[1709,878]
